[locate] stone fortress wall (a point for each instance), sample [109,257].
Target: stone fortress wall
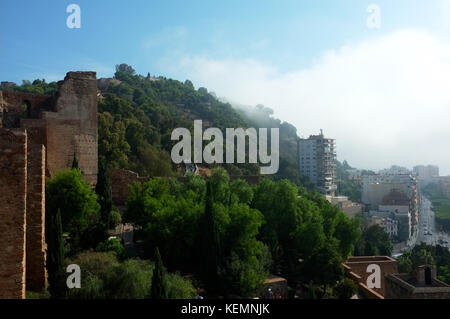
[39,135]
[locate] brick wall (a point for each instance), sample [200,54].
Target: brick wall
[13,188]
[12,102]
[398,288]
[358,265]
[36,274]
[120,180]
[73,127]
[52,129]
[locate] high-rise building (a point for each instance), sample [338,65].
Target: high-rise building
[317,156]
[426,173]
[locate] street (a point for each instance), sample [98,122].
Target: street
[428,231]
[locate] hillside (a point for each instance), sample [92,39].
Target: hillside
[137,115]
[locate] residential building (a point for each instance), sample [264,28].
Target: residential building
[389,225]
[426,172]
[395,170]
[317,156]
[376,187]
[347,206]
[380,191]
[402,215]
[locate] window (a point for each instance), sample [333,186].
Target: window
[26,108]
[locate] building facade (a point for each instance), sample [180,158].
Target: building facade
[317,156]
[426,173]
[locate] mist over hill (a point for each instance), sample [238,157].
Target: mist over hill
[137,115]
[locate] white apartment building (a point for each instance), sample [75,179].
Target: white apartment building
[317,156]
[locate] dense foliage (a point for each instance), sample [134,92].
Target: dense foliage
[229,235]
[69,193]
[136,116]
[424,254]
[246,231]
[374,242]
[36,87]
[175,218]
[104,277]
[55,261]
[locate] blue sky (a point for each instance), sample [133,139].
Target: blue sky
[35,42]
[382,93]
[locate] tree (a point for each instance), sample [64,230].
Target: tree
[425,254]
[104,277]
[210,242]
[112,144]
[244,260]
[169,216]
[55,263]
[159,285]
[374,242]
[345,289]
[189,84]
[75,161]
[113,245]
[125,68]
[324,267]
[103,191]
[74,198]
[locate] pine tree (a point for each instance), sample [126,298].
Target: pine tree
[75,161]
[55,263]
[103,191]
[159,287]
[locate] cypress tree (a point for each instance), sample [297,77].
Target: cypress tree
[75,161]
[211,245]
[103,191]
[159,288]
[55,263]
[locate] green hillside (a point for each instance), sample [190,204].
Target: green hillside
[137,115]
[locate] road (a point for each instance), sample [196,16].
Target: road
[428,230]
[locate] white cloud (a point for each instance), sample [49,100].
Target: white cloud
[386,100]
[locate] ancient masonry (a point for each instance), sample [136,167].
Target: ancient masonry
[39,135]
